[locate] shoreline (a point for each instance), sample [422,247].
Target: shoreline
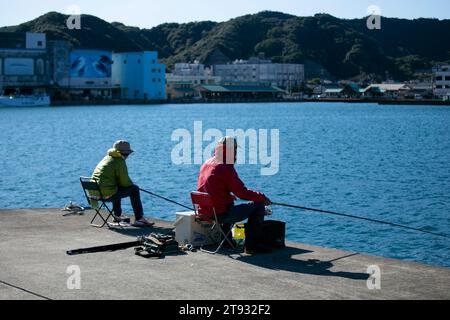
[236,101]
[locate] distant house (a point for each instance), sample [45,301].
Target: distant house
[348,90]
[351,90]
[333,92]
[386,90]
[373,92]
[421,89]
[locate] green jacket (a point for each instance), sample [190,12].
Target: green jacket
[112,173]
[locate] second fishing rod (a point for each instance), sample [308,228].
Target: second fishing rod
[323,212]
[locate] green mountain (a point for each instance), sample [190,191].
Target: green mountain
[344,48]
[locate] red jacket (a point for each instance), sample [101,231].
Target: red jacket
[220,180]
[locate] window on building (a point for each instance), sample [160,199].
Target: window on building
[153,70]
[159,80]
[139,61]
[154,80]
[153,61]
[124,61]
[40,44]
[438,87]
[40,67]
[447,78]
[439,78]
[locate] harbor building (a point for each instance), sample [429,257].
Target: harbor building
[442,82]
[195,73]
[24,63]
[182,81]
[386,90]
[138,76]
[59,59]
[236,92]
[90,74]
[256,70]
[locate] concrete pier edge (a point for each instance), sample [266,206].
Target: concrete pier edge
[34,265]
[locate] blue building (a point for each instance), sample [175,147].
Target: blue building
[138,76]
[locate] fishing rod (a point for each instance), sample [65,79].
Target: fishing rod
[168,200]
[360,218]
[111,247]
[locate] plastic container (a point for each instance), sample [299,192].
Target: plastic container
[239,234]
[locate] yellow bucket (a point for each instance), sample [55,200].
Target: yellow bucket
[239,232]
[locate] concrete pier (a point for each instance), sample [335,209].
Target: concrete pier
[34,265]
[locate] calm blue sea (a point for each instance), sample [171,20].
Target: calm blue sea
[382,162]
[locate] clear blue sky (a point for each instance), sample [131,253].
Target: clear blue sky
[149,13]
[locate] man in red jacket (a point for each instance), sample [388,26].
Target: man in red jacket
[219,178]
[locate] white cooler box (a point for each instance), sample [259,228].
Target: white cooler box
[188,231]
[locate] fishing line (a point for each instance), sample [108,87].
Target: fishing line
[168,200]
[361,218]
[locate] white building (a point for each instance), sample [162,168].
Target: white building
[24,63]
[192,73]
[185,77]
[284,75]
[138,76]
[189,69]
[442,82]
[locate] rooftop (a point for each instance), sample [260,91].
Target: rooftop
[389,86]
[240,88]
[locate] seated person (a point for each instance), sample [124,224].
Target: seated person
[219,178]
[112,176]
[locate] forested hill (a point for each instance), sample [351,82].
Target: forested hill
[345,48]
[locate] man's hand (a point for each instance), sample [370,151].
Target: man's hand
[267,202]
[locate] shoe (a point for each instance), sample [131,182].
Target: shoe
[118,219]
[143,223]
[260,248]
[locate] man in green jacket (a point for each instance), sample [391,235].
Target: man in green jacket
[112,176]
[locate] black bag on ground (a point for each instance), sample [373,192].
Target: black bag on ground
[274,233]
[157,245]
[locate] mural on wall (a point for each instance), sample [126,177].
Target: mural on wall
[90,64]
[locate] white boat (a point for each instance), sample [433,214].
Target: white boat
[25,101]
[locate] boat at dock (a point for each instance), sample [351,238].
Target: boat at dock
[25,101]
